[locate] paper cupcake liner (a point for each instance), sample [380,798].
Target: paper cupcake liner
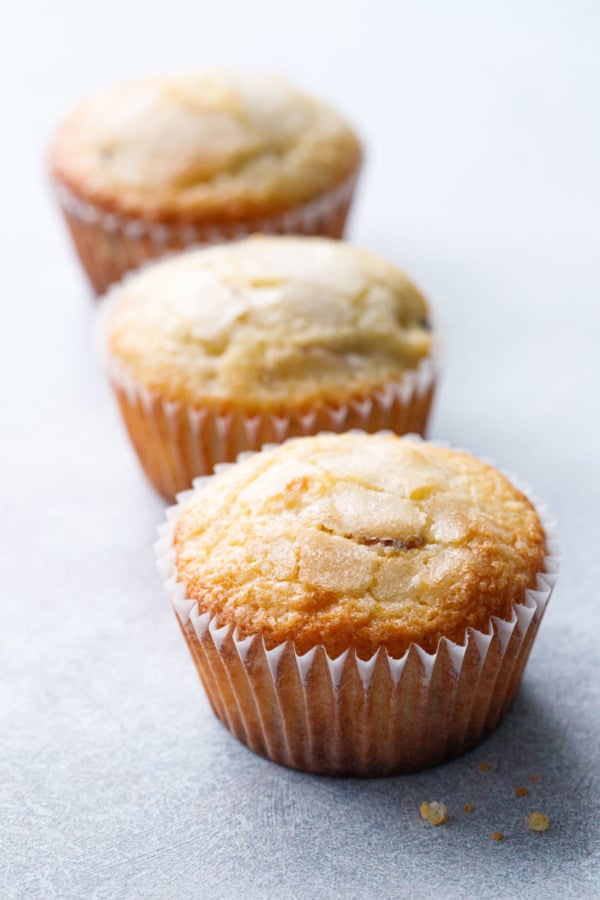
[176,442]
[111,244]
[348,716]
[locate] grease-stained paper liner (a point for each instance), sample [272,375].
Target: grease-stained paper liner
[348,716]
[177,442]
[110,244]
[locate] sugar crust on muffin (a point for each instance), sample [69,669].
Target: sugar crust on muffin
[268,322]
[212,146]
[358,541]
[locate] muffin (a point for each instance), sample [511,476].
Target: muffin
[164,163]
[221,350]
[358,604]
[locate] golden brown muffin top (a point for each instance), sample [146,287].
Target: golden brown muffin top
[206,146]
[269,323]
[358,541]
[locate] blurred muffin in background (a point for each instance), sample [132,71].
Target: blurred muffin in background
[164,163]
[221,350]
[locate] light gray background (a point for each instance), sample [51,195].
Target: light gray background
[483,182]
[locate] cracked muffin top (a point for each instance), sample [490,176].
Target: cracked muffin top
[269,322]
[209,145]
[358,541]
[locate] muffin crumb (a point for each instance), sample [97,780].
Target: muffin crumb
[534,778]
[497,836]
[538,822]
[468,808]
[521,792]
[435,813]
[484,767]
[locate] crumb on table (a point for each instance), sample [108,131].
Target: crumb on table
[534,778]
[484,767]
[497,836]
[468,807]
[435,812]
[538,821]
[521,792]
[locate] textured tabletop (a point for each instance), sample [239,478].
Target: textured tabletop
[483,182]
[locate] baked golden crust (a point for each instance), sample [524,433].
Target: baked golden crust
[358,541]
[269,324]
[212,147]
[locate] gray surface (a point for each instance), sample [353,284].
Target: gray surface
[483,182]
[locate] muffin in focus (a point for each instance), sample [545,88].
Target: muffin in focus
[164,163]
[358,604]
[222,350]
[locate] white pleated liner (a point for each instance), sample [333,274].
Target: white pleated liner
[177,442]
[110,244]
[348,716]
